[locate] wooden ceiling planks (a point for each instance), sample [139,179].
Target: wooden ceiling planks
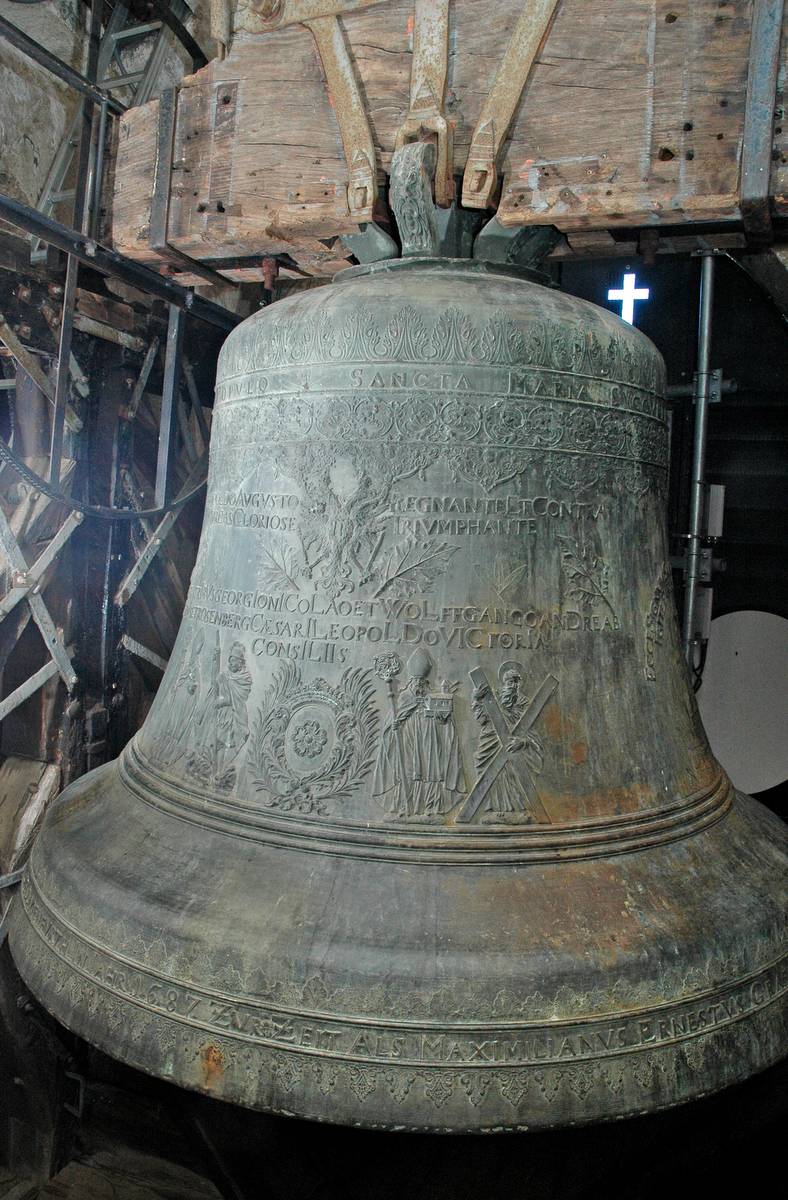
[632,116]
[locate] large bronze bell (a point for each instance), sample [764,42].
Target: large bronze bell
[423,830]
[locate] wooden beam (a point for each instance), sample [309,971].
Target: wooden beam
[27,362]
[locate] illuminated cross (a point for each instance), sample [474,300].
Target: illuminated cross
[628,294]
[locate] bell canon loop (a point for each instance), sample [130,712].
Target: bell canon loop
[422,830]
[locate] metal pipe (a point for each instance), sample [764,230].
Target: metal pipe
[697,484]
[110,262]
[56,66]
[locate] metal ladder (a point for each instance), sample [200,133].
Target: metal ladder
[122,31]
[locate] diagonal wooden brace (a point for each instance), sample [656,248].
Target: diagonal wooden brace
[24,581]
[156,539]
[348,105]
[24,359]
[481,170]
[428,74]
[53,639]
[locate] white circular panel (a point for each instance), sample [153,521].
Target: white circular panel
[744,699]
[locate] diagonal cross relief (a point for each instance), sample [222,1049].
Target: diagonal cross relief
[505,755]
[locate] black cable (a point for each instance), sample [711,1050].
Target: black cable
[697,671]
[103,512]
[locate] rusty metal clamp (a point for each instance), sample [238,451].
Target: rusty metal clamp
[428,90]
[348,104]
[481,172]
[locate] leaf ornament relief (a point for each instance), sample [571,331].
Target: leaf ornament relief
[579,395]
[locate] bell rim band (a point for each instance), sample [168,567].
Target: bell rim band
[588,839]
[32,894]
[620,1071]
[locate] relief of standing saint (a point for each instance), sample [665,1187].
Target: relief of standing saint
[508,755]
[419,770]
[221,725]
[173,740]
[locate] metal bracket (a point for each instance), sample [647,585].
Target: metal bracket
[759,114]
[518,245]
[348,104]
[77,1109]
[428,74]
[481,174]
[160,200]
[370,244]
[716,386]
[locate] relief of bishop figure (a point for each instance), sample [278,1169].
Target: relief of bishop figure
[419,771]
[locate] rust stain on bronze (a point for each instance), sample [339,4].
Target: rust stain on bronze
[553,720]
[212,1064]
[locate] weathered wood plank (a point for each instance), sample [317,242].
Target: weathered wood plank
[632,115]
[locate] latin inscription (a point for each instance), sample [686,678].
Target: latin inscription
[590,1040]
[312,628]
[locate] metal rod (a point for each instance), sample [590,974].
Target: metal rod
[83,194]
[194,396]
[698,454]
[63,371]
[95,207]
[110,262]
[169,400]
[56,66]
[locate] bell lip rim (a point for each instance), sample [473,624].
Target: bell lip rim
[77,1021]
[563,1023]
[432,262]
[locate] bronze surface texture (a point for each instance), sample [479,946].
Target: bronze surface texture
[423,830]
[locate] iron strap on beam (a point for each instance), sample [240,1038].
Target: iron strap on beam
[164,12]
[759,113]
[160,200]
[110,262]
[57,67]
